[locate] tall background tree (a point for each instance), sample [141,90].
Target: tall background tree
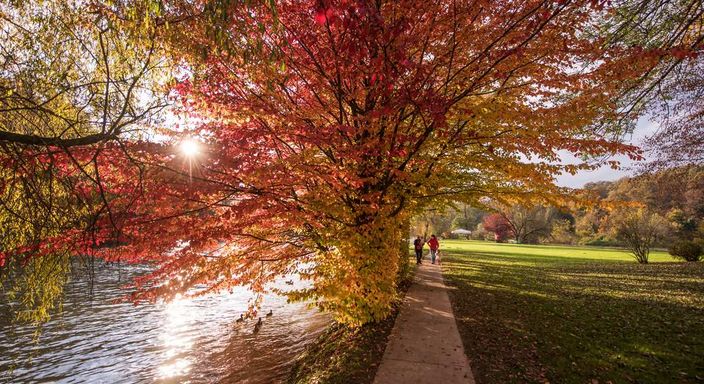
[680,138]
[670,92]
[528,224]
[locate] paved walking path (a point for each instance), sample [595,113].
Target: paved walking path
[424,345]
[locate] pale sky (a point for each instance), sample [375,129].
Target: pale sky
[643,129]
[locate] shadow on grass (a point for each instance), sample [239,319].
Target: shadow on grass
[537,319]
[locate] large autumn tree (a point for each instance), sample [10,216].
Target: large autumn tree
[324,126]
[344,118]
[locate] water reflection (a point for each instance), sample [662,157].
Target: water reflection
[188,340]
[177,345]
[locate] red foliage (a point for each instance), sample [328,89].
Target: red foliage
[498,224]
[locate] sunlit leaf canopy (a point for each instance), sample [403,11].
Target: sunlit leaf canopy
[323,127]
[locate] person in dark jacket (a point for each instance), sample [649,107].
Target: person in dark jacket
[418,246]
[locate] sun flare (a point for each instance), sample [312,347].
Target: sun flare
[190,148]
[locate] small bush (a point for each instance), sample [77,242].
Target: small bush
[600,242]
[686,250]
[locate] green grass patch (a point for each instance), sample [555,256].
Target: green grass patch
[343,355]
[576,314]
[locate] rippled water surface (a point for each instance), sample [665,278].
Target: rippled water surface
[96,340]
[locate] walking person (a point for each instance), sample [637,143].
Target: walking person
[418,246]
[434,245]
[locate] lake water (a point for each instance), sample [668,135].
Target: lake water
[96,340]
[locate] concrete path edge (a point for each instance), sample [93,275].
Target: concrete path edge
[424,345]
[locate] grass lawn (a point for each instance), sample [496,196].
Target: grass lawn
[576,314]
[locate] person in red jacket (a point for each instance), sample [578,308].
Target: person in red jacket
[434,246]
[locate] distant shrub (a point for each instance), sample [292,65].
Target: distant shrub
[601,242]
[686,250]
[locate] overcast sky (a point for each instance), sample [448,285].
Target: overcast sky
[643,129]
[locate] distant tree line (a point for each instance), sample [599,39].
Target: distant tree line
[663,209]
